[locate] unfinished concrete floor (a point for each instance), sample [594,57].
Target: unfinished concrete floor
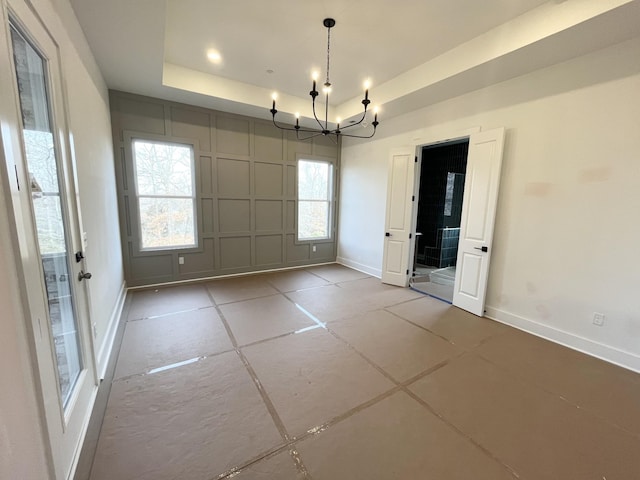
[325,373]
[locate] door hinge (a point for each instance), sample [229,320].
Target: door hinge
[415,159]
[407,272]
[15,167]
[410,236]
[413,198]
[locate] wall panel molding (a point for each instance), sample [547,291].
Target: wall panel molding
[246,191]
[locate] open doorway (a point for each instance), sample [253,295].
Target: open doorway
[439,213]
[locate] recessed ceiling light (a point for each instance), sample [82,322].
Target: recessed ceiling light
[269,71]
[214,56]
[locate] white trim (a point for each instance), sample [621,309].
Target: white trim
[107,343]
[376,272]
[604,352]
[83,434]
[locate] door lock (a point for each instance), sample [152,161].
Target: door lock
[82,275]
[387,234]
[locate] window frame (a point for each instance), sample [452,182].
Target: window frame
[331,199]
[134,206]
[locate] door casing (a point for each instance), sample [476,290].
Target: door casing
[64,428]
[467,135]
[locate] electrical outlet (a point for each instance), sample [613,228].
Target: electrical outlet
[95,331]
[181,260]
[598,319]
[313,248]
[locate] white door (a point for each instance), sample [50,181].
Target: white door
[478,216]
[399,218]
[36,150]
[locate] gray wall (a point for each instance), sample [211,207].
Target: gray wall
[246,191]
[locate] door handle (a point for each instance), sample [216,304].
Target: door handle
[82,275]
[483,248]
[387,234]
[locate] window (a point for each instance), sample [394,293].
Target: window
[165,190]
[315,185]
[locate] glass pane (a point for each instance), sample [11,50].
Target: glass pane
[448,198]
[163,169]
[313,220]
[49,219]
[167,222]
[313,180]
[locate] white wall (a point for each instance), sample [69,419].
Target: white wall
[567,235]
[22,451]
[90,127]
[22,444]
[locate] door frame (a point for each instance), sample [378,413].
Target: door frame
[460,136]
[55,419]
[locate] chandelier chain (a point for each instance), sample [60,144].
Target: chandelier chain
[328,53]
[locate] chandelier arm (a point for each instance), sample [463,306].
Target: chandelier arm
[359,136]
[316,116]
[309,130]
[280,126]
[316,134]
[299,129]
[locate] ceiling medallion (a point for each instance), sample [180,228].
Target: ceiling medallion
[324,125]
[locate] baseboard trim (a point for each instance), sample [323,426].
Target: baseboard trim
[376,272]
[107,343]
[604,352]
[188,281]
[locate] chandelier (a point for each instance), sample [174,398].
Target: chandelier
[324,124]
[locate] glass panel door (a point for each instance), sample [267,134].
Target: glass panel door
[47,202]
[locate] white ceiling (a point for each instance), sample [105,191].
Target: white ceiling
[415,52]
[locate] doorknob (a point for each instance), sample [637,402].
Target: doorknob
[82,275]
[483,248]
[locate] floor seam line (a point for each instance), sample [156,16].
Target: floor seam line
[153,317]
[400,386]
[279,424]
[422,327]
[466,436]
[234,302]
[564,399]
[143,374]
